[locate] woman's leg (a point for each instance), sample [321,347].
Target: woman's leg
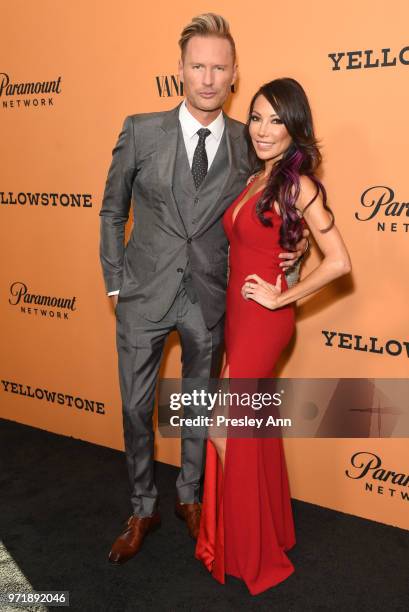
[219,442]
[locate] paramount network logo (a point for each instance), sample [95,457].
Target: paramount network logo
[383,209]
[378,478]
[15,94]
[35,304]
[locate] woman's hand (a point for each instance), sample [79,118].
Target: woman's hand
[262,292]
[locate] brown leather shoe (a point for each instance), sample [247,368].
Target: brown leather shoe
[190,513]
[130,541]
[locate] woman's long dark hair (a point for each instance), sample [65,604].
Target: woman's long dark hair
[301,158]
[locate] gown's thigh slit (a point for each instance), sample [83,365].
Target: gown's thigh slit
[220,442]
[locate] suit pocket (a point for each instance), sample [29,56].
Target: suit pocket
[142,263]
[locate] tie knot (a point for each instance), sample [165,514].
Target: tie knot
[203,133]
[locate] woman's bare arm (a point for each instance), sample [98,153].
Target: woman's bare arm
[335,262]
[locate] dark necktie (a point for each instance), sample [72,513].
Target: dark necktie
[199,163]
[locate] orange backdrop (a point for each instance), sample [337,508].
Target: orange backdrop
[103,61]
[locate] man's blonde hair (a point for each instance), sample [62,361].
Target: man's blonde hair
[208,24]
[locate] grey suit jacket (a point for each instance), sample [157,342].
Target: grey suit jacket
[150,267]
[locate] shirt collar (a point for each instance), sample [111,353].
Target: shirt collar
[190,125]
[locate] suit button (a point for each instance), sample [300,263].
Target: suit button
[194,221]
[196,200]
[189,240]
[179,270]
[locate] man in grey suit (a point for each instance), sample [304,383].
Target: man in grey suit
[181,169]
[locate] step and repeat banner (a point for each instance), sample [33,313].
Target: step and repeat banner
[70,72]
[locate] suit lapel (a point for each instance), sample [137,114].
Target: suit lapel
[167,147]
[234,150]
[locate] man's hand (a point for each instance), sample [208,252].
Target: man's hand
[114,300]
[291,257]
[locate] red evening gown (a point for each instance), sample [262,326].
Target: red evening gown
[247,522]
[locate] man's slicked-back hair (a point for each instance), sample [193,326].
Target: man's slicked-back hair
[208,24]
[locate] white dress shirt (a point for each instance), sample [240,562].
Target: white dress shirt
[190,126]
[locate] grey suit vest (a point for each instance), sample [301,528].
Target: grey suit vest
[188,198]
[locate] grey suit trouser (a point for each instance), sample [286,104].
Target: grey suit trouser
[140,345]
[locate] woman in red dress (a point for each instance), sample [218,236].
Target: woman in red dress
[247,524]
